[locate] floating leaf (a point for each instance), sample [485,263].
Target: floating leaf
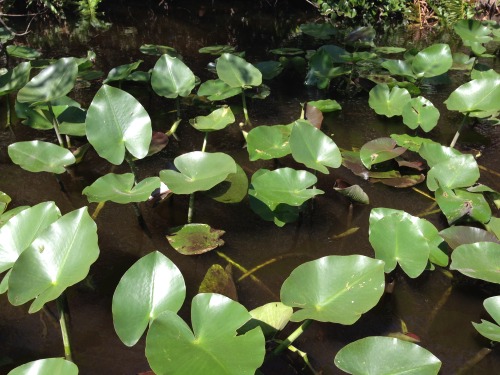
[271,318]
[47,366]
[121,72]
[171,78]
[486,328]
[379,150]
[193,239]
[269,142]
[6,216]
[461,61]
[335,289]
[409,142]
[158,50]
[4,202]
[237,72]
[121,188]
[287,51]
[150,286]
[218,280]
[387,50]
[217,89]
[399,68]
[461,235]
[326,105]
[58,258]
[434,153]
[232,190]
[458,203]
[15,79]
[420,112]
[432,61]
[116,122]
[474,34]
[378,355]
[478,95]
[480,260]
[212,348]
[313,148]
[198,171]
[388,102]
[51,83]
[22,52]
[39,156]
[458,171]
[400,181]
[217,120]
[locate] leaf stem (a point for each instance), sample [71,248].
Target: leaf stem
[294,335]
[98,209]
[62,308]
[460,129]
[7,97]
[55,123]
[245,111]
[191,208]
[205,139]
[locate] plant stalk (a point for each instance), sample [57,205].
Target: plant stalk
[56,126]
[98,209]
[460,129]
[295,334]
[62,308]
[178,107]
[7,125]
[245,111]
[191,208]
[205,140]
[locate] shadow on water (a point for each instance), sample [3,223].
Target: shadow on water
[250,241]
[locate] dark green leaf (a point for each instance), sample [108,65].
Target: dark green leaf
[480,260]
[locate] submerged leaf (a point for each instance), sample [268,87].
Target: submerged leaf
[218,280]
[193,239]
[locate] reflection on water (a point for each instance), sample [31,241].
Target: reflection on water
[188,26]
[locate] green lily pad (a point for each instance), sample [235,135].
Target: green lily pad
[493,226]
[486,328]
[121,188]
[150,286]
[22,52]
[434,153]
[121,72]
[219,280]
[420,112]
[460,235]
[461,61]
[217,89]
[47,366]
[212,347]
[280,215]
[387,50]
[7,215]
[171,78]
[378,355]
[237,72]
[399,68]
[58,258]
[269,69]
[474,34]
[15,79]
[284,185]
[217,120]
[39,156]
[409,142]
[313,148]
[198,171]
[480,260]
[432,61]
[379,150]
[271,318]
[326,105]
[217,49]
[388,102]
[269,142]
[335,289]
[232,190]
[287,51]
[51,83]
[458,171]
[193,239]
[478,95]
[4,201]
[458,203]
[116,122]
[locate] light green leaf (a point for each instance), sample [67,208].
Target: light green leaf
[379,150]
[388,102]
[39,156]
[458,203]
[432,61]
[486,328]
[458,171]
[480,260]
[22,52]
[121,72]
[15,79]
[217,89]
[217,120]
[47,366]
[269,142]
[478,95]
[237,72]
[420,112]
[172,78]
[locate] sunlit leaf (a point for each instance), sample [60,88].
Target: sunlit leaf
[217,89]
[478,95]
[15,79]
[47,366]
[420,112]
[409,142]
[172,78]
[237,72]
[217,120]
[480,260]
[326,105]
[158,50]
[39,156]
[217,49]
[432,61]
[486,328]
[379,150]
[458,203]
[388,102]
[458,171]
[269,142]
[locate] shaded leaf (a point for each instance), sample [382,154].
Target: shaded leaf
[121,72]
[15,79]
[461,235]
[22,52]
[218,280]
[379,150]
[480,260]
[217,89]
[232,190]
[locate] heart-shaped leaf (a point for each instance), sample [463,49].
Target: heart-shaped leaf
[22,52]
[237,72]
[271,318]
[15,79]
[313,148]
[198,171]
[486,328]
[399,68]
[432,61]
[172,78]
[217,89]
[388,102]
[378,355]
[269,142]
[269,69]
[379,150]
[20,231]
[51,83]
[39,156]
[400,238]
[58,258]
[217,120]
[284,185]
[336,289]
[47,366]
[150,286]
[458,203]
[478,95]
[232,190]
[121,188]
[420,112]
[116,122]
[474,34]
[194,239]
[121,72]
[458,171]
[434,153]
[212,348]
[480,260]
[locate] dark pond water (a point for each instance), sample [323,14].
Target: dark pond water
[187,26]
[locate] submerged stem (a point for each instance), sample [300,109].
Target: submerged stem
[460,129]
[478,357]
[62,308]
[245,111]
[295,334]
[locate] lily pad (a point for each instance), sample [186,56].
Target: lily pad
[287,51]
[379,150]
[150,286]
[193,239]
[121,188]
[486,328]
[474,34]
[409,142]
[232,190]
[219,280]
[432,61]
[47,366]
[217,89]
[480,260]
[269,142]
[269,69]
[39,156]
[171,78]
[4,202]
[271,318]
[217,120]
[212,347]
[237,72]
[434,153]
[121,72]
[326,105]
[280,215]
[198,171]
[478,95]
[420,112]
[461,235]
[378,355]
[458,203]
[217,49]
[388,102]
[318,30]
[458,171]
[335,289]
[157,50]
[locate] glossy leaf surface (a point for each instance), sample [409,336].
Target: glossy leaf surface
[194,239]
[51,83]
[477,95]
[336,289]
[39,156]
[420,112]
[150,286]
[116,122]
[432,61]
[378,355]
[460,235]
[58,258]
[232,190]
[313,148]
[212,347]
[22,52]
[388,102]
[269,142]
[480,260]
[47,366]
[217,89]
[271,317]
[15,79]
[121,188]
[486,328]
[379,150]
[458,171]
[217,120]
[458,203]
[121,72]
[172,78]
[237,72]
